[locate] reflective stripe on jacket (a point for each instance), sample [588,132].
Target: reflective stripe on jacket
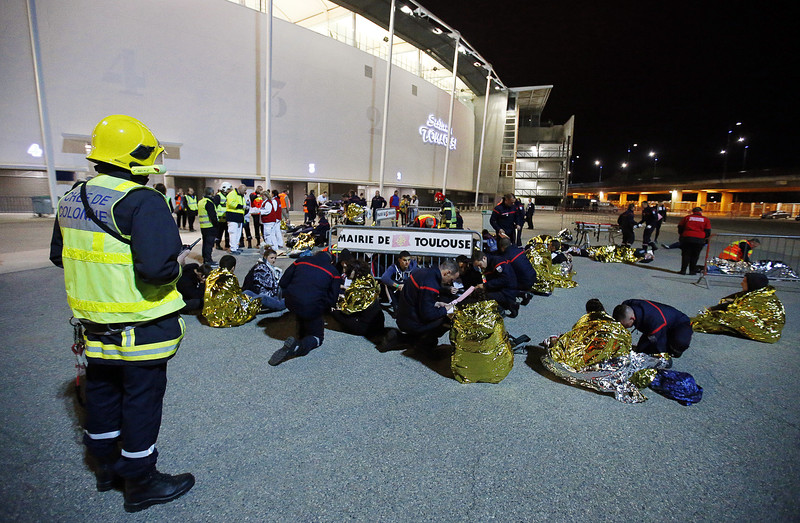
[101,283]
[202,214]
[191,202]
[734,251]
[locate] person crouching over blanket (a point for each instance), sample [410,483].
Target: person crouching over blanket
[596,354]
[225,305]
[663,328]
[754,313]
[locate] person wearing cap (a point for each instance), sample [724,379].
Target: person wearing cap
[694,230]
[448,212]
[740,250]
[121,254]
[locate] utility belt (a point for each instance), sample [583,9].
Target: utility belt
[109,329]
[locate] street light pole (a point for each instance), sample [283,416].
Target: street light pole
[652,155]
[599,170]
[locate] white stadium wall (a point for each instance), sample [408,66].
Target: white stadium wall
[192,70]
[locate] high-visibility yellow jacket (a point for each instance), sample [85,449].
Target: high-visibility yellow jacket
[202,214]
[101,283]
[191,202]
[223,201]
[235,202]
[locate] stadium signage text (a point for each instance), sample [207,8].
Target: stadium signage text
[435,131]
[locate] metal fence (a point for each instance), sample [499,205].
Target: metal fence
[16,204]
[784,249]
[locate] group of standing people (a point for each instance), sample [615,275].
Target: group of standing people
[652,218]
[406,206]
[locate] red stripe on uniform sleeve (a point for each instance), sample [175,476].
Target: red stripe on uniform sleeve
[662,317]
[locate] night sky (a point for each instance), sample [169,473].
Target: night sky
[670,76]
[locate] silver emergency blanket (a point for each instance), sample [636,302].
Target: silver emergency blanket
[775,270]
[617,375]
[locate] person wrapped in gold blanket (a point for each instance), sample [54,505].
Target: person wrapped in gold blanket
[224,304]
[755,313]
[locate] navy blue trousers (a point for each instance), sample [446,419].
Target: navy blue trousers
[124,403]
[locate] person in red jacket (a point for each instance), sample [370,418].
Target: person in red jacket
[694,230]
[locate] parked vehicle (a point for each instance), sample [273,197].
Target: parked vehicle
[776,215]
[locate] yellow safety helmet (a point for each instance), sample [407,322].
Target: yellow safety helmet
[125,142]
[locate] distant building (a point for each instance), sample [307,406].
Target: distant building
[197,77]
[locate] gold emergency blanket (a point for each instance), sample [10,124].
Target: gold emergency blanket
[355,214]
[305,241]
[482,350]
[224,305]
[614,254]
[359,295]
[548,276]
[758,315]
[596,354]
[542,240]
[594,338]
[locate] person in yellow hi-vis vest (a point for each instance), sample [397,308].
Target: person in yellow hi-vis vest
[191,204]
[121,253]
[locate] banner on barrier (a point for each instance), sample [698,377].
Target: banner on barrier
[430,242]
[385,214]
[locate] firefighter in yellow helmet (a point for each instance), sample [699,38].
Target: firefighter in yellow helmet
[120,250]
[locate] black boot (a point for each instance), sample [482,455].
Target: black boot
[249,243]
[104,473]
[155,488]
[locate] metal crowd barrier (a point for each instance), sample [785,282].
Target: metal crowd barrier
[785,249]
[16,204]
[382,256]
[585,230]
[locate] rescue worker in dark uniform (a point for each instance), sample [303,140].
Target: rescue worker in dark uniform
[310,288]
[627,222]
[523,269]
[650,219]
[663,328]
[504,218]
[500,281]
[209,225]
[449,219]
[519,220]
[417,313]
[529,212]
[120,250]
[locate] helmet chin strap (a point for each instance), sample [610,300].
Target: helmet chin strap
[147,170]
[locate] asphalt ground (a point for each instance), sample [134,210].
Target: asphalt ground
[350,433]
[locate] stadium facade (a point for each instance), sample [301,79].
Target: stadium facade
[196,71]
